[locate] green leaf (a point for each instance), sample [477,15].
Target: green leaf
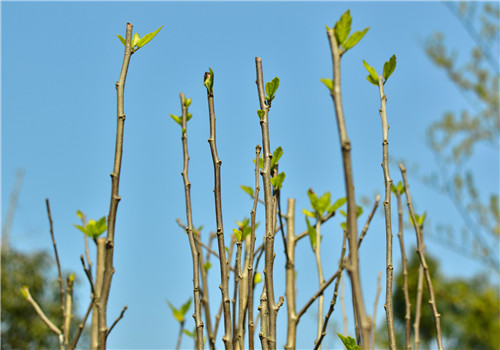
[344,214]
[147,38]
[349,343]
[308,213]
[343,225]
[338,203]
[79,214]
[399,187]
[277,181]
[311,231]
[313,199]
[24,291]
[257,278]
[209,80]
[373,77]
[421,219]
[187,102]
[189,116]
[238,234]
[135,40]
[179,313]
[355,38]
[121,39]
[261,113]
[207,266]
[389,67]
[185,306]
[323,203]
[190,334]
[261,162]
[271,88]
[177,119]
[81,228]
[247,189]
[328,83]
[343,27]
[278,152]
[359,211]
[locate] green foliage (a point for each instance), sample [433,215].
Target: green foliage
[257,278]
[420,219]
[277,181]
[349,343]
[311,231]
[278,152]
[180,313]
[271,88]
[247,189]
[21,326]
[322,206]
[92,229]
[137,41]
[342,29]
[244,228]
[399,188]
[261,113]
[328,83]
[209,81]
[207,265]
[389,68]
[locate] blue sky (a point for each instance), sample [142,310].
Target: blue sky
[60,61]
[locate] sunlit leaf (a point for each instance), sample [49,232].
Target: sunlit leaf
[177,119]
[349,343]
[311,231]
[261,113]
[308,213]
[147,38]
[238,234]
[343,27]
[277,181]
[247,189]
[257,278]
[121,39]
[278,152]
[328,83]
[271,88]
[135,40]
[338,203]
[373,77]
[187,102]
[389,67]
[354,39]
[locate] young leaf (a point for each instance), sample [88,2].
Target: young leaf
[81,228]
[247,189]
[147,38]
[389,67]
[79,214]
[261,162]
[308,213]
[121,39]
[323,203]
[178,313]
[278,152]
[311,231]
[328,83]
[359,211]
[349,343]
[257,278]
[207,265]
[354,39]
[209,80]
[185,306]
[271,88]
[338,203]
[135,39]
[277,181]
[343,27]
[187,102]
[373,77]
[177,119]
[238,234]
[189,334]
[261,113]
[189,116]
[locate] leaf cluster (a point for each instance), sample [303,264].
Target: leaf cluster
[92,229]
[180,313]
[244,229]
[389,67]
[209,81]
[137,41]
[342,29]
[349,342]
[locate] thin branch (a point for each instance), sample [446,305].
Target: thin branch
[270,202]
[322,220]
[375,303]
[59,273]
[117,320]
[99,276]
[358,303]
[423,262]
[189,229]
[102,301]
[321,280]
[342,305]
[68,307]
[335,293]
[179,337]
[388,224]
[418,307]
[290,284]
[218,213]
[405,272]
[253,213]
[82,325]
[368,221]
[87,273]
[264,324]
[197,239]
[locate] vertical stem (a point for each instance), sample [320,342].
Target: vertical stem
[372,342]
[69,305]
[264,323]
[109,270]
[252,251]
[189,229]
[226,301]
[290,293]
[205,299]
[94,330]
[418,308]
[269,202]
[321,279]
[388,225]
[342,306]
[353,268]
[405,272]
[423,262]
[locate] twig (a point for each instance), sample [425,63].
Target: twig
[335,293]
[322,220]
[102,301]
[179,337]
[189,229]
[387,210]
[264,324]
[290,285]
[44,318]
[99,276]
[423,262]
[342,305]
[87,273]
[218,213]
[418,307]
[405,272]
[68,307]
[198,240]
[358,303]
[321,280]
[375,303]
[252,252]
[82,325]
[117,319]
[270,202]
[59,273]
[368,221]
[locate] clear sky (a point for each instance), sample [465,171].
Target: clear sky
[60,61]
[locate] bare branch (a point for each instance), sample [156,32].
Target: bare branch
[375,303]
[117,319]
[368,221]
